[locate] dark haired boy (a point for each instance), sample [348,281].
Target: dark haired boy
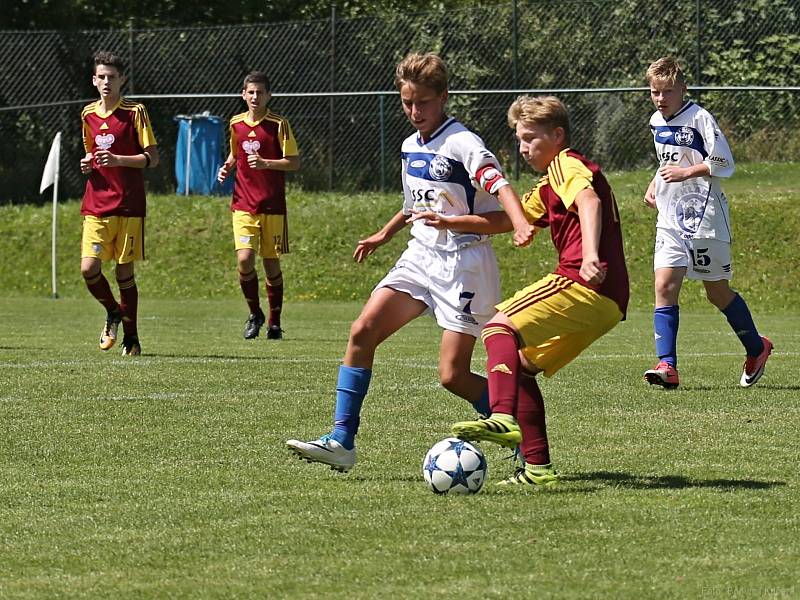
[119,144]
[263,148]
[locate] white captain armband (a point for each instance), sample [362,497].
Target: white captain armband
[490,178]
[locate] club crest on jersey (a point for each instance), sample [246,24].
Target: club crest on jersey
[104,141]
[688,210]
[440,168]
[684,136]
[251,146]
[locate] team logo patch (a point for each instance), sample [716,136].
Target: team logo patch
[684,136]
[104,140]
[96,248]
[440,168]
[251,146]
[687,211]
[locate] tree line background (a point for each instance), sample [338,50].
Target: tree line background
[349,142]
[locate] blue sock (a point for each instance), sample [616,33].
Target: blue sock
[351,387]
[665,326]
[482,405]
[741,321]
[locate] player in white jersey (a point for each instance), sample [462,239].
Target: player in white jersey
[451,188]
[693,233]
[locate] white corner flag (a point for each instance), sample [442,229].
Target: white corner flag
[50,177]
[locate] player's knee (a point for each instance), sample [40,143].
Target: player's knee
[363,332]
[90,270]
[451,376]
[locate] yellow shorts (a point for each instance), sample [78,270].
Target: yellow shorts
[266,234]
[557,319]
[117,238]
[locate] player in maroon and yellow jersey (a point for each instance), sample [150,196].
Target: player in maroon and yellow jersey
[263,148]
[547,324]
[119,144]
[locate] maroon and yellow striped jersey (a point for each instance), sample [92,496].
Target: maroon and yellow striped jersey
[260,191]
[125,130]
[551,204]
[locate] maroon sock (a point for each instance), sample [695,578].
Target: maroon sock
[129,305]
[249,285]
[99,288]
[502,366]
[275,297]
[530,414]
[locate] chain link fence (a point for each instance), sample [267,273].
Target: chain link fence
[333,80]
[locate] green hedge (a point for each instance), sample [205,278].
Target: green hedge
[189,245]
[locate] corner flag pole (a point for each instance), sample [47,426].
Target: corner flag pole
[50,177]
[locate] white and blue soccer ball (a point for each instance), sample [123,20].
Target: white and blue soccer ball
[454,466]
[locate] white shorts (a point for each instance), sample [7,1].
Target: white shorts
[704,259]
[461,288]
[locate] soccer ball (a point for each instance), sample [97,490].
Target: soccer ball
[454,466]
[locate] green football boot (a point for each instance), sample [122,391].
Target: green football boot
[533,475]
[499,429]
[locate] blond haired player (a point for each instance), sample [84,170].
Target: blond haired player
[263,148]
[119,144]
[451,188]
[546,325]
[693,234]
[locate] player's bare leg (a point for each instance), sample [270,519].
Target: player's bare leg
[455,366]
[385,312]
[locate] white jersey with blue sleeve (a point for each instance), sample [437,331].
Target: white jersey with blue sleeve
[449,174]
[695,208]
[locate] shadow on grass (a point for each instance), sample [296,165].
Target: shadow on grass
[717,388]
[675,482]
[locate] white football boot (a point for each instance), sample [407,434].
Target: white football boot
[325,450]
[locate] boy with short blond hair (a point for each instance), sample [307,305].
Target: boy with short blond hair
[546,325]
[119,144]
[262,149]
[453,188]
[693,235]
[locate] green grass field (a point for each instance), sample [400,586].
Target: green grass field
[166,476]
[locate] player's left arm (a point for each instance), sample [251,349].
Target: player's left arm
[148,158]
[485,224]
[720,158]
[590,215]
[287,163]
[491,179]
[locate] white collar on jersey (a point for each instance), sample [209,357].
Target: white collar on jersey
[442,127]
[683,109]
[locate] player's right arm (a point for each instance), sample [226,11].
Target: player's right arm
[650,195]
[86,161]
[367,246]
[226,168]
